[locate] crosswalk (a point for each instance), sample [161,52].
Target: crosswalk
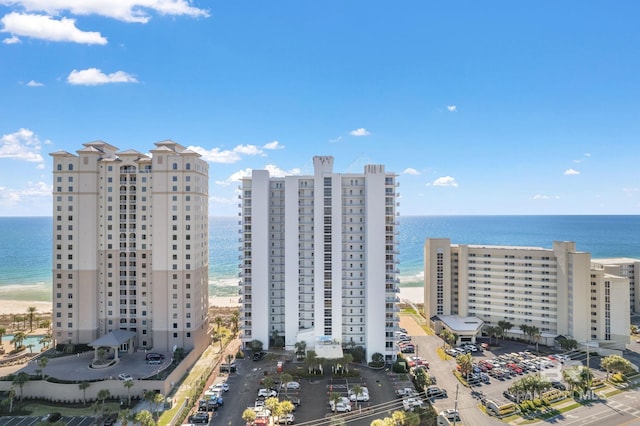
[619,406]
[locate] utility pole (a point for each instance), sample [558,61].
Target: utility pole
[455,406]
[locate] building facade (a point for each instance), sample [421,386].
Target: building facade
[557,290]
[624,267]
[319,258]
[130,245]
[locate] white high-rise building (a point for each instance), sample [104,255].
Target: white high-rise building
[319,258]
[559,290]
[130,246]
[624,267]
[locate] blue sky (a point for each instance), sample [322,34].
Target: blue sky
[495,107]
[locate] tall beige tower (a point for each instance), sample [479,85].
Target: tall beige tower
[130,245]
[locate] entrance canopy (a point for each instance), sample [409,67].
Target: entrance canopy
[113,339]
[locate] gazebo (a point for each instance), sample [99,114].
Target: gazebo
[114,339]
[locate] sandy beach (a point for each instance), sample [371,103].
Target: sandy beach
[415,294]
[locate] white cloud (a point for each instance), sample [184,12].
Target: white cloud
[21,145]
[274,171]
[570,172]
[47,28]
[122,10]
[230,156]
[584,157]
[452,108]
[273,145]
[410,171]
[338,139]
[34,83]
[445,181]
[545,197]
[248,150]
[360,132]
[12,197]
[12,40]
[95,77]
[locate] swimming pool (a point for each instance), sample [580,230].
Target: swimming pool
[31,339]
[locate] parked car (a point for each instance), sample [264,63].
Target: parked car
[267,393]
[224,387]
[291,385]
[411,404]
[52,417]
[199,418]
[125,376]
[341,407]
[287,419]
[451,414]
[258,356]
[436,392]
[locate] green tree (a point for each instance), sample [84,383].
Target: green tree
[377,357]
[18,338]
[256,346]
[248,415]
[568,344]
[398,418]
[347,359]
[83,387]
[46,340]
[103,394]
[32,312]
[300,348]
[19,380]
[465,361]
[3,331]
[145,418]
[616,364]
[447,337]
[273,405]
[125,416]
[10,397]
[286,407]
[42,364]
[412,418]
[128,384]
[335,397]
[235,318]
[310,360]
[491,331]
[357,391]
[284,379]
[503,327]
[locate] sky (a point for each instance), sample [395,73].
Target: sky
[480,108]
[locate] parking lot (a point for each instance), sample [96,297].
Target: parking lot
[313,394]
[32,421]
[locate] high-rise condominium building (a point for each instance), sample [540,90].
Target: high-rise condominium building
[557,290]
[130,245]
[624,267]
[319,258]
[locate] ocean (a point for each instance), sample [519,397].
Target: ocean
[25,245]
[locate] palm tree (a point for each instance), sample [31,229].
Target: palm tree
[3,331]
[32,311]
[11,396]
[125,416]
[248,415]
[145,418]
[103,394]
[465,361]
[335,397]
[357,391]
[42,364]
[158,399]
[348,359]
[19,380]
[310,360]
[83,387]
[301,348]
[503,326]
[45,340]
[526,330]
[284,379]
[273,405]
[128,384]
[18,338]
[235,317]
[446,336]
[491,331]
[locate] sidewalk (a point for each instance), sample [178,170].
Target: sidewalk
[205,368]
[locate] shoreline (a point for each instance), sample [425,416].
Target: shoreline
[11,306]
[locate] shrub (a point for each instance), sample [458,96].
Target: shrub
[537,402]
